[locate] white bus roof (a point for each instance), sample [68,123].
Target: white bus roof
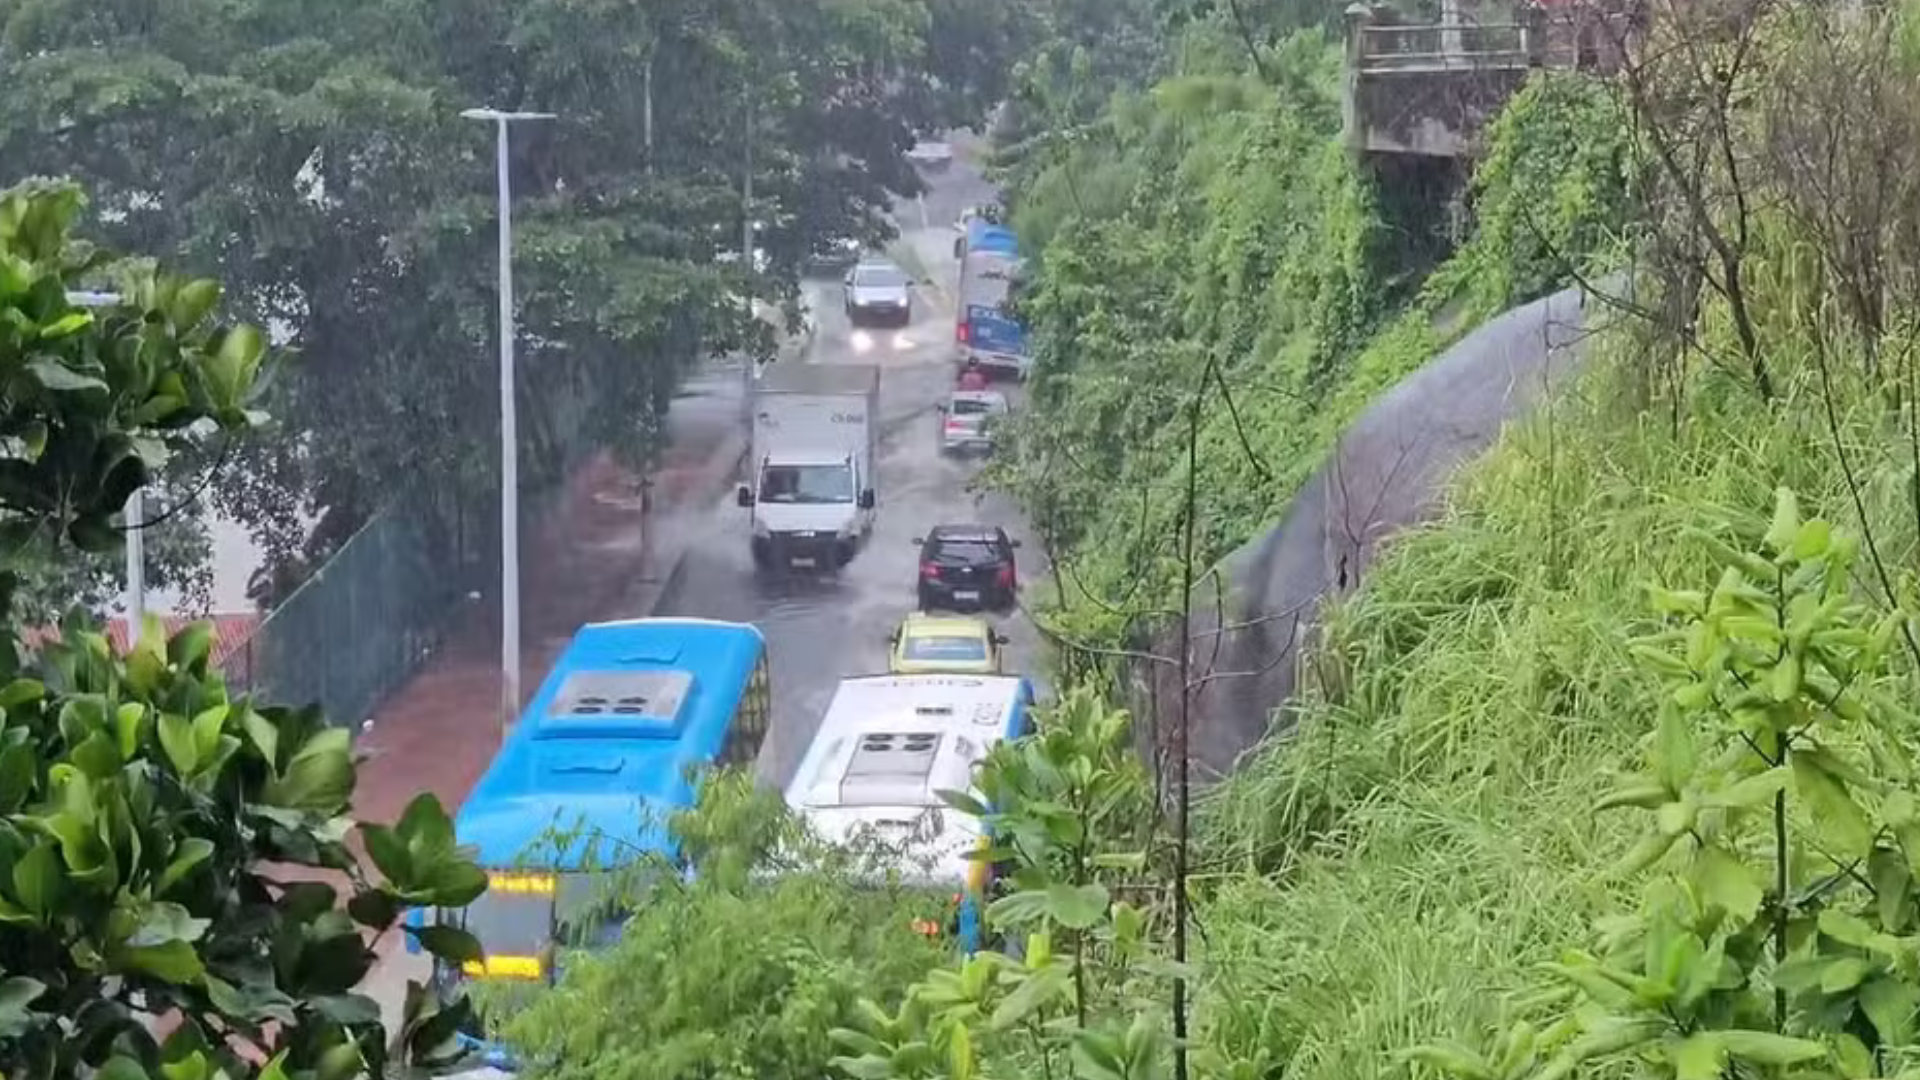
[894,740]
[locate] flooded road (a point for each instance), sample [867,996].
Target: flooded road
[823,627]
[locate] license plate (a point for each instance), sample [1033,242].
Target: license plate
[803,560]
[964,595]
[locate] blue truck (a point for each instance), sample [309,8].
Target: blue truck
[990,268]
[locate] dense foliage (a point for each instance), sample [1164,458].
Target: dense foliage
[740,968]
[314,159]
[1403,860]
[152,827]
[1219,231]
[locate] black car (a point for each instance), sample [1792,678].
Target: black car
[967,567]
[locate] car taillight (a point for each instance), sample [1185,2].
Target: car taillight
[961,333]
[956,424]
[929,570]
[1006,575]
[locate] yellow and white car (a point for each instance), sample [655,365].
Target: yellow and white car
[963,644]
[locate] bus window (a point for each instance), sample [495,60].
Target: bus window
[749,728]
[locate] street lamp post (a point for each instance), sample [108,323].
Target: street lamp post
[133,515]
[509,445]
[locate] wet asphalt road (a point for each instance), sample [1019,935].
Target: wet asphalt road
[823,627]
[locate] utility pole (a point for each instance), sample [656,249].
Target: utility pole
[746,195]
[133,516]
[646,109]
[509,435]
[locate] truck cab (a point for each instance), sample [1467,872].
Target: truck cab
[809,509]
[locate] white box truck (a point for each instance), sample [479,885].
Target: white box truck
[810,467]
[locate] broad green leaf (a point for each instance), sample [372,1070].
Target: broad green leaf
[1701,1056]
[1644,796]
[1812,540]
[1674,754]
[192,302]
[164,922]
[864,1067]
[1846,928]
[319,776]
[1766,1048]
[962,802]
[1847,832]
[176,738]
[66,325]
[1036,990]
[18,765]
[207,727]
[449,943]
[1677,818]
[233,366]
[1016,908]
[57,377]
[1844,974]
[37,879]
[1784,680]
[1724,881]
[1752,791]
[1076,907]
[16,994]
[190,853]
[1890,1004]
[1096,1056]
[1644,853]
[1127,861]
[174,961]
[265,736]
[20,691]
[1601,989]
[959,1053]
[1892,887]
[1785,526]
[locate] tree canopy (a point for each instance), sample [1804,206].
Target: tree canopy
[312,157]
[153,827]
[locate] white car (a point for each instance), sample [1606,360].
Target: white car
[931,155]
[877,291]
[968,419]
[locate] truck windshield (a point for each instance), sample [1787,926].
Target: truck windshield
[806,484]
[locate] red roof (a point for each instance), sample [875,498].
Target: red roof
[231,629]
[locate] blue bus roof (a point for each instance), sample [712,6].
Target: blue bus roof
[603,749]
[984,235]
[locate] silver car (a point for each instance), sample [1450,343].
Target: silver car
[967,420]
[879,291]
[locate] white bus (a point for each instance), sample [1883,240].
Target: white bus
[886,745]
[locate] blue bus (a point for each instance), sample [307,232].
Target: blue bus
[588,777]
[990,267]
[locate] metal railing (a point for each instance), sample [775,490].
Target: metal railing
[1581,38]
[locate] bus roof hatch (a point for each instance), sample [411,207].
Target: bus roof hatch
[618,705]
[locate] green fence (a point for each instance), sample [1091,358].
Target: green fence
[424,568]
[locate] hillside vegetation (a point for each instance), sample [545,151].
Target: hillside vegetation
[1390,873]
[1215,228]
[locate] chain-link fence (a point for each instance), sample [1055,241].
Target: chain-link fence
[397,590]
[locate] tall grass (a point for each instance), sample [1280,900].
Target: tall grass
[1385,873]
